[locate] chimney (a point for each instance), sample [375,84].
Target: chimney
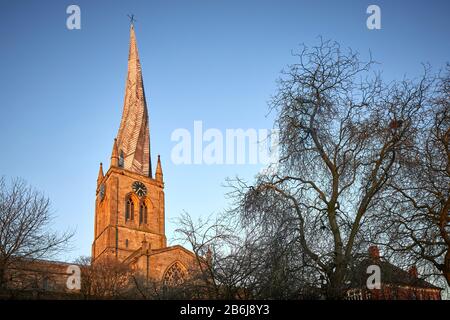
[374,253]
[413,272]
[209,256]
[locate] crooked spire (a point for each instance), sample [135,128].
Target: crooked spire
[133,138]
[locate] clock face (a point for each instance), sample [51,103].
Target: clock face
[139,188]
[101,192]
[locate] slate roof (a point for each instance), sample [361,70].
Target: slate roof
[390,274]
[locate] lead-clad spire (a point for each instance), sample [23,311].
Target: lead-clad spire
[133,138]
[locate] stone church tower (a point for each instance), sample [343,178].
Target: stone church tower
[129,209]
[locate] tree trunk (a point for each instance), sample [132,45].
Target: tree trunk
[335,290]
[446,269]
[2,277]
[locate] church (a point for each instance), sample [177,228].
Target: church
[129,208]
[129,223]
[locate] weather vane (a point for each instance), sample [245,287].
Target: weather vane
[132,19]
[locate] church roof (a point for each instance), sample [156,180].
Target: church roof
[139,252]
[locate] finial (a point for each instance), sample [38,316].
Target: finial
[100,174]
[132,19]
[115,155]
[146,247]
[159,173]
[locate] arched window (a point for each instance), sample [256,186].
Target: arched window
[121,159]
[129,210]
[143,214]
[174,275]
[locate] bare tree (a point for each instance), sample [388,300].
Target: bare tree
[109,278]
[105,279]
[238,261]
[341,131]
[213,241]
[416,213]
[25,221]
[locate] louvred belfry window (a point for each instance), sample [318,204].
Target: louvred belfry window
[129,210]
[143,214]
[121,159]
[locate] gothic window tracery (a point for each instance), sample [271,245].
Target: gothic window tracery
[175,275]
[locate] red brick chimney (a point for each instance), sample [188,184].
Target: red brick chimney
[413,271]
[374,252]
[209,256]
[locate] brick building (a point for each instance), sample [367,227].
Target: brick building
[396,283]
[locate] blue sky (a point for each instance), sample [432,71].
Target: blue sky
[61,91]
